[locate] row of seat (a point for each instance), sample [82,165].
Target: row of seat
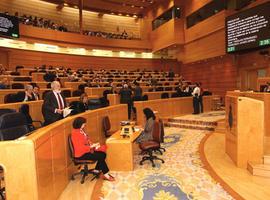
[16,124]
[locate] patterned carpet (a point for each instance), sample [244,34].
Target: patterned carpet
[182,176]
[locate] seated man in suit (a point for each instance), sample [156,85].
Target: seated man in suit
[54,104]
[27,95]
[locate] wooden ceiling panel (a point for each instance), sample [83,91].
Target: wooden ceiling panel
[124,7]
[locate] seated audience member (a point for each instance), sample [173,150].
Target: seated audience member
[36,92]
[4,84]
[54,104]
[27,95]
[146,134]
[84,149]
[2,70]
[83,106]
[171,73]
[267,88]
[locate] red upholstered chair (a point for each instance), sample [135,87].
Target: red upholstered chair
[85,171]
[149,147]
[106,125]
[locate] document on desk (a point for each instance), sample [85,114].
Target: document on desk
[66,111]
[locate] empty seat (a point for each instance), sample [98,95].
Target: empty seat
[66,93]
[77,93]
[24,109]
[17,86]
[168,89]
[106,125]
[10,98]
[27,79]
[6,110]
[175,95]
[12,126]
[164,95]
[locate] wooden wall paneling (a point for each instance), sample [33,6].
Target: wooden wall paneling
[22,161]
[44,169]
[30,58]
[213,24]
[40,35]
[59,158]
[168,34]
[210,46]
[4,58]
[194,5]
[218,75]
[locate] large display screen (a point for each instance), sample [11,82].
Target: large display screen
[9,26]
[248,29]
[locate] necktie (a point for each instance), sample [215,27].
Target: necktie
[60,102]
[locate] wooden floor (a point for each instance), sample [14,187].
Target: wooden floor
[240,180]
[90,190]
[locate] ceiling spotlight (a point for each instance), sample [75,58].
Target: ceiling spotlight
[65,4]
[135,16]
[177,8]
[132,6]
[76,7]
[120,14]
[112,13]
[127,15]
[141,7]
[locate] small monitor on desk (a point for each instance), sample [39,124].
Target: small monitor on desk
[127,130]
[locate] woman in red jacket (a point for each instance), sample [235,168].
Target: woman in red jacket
[84,149]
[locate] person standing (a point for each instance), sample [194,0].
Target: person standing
[125,98]
[201,98]
[196,94]
[54,104]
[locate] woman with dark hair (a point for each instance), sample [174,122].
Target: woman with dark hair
[84,149]
[146,134]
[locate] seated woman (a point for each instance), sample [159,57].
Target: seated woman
[84,149]
[146,134]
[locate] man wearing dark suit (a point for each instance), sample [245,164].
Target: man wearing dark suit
[27,95]
[54,104]
[125,98]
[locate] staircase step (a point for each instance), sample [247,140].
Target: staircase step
[220,127]
[258,169]
[189,126]
[266,159]
[193,122]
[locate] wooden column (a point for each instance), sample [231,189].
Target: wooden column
[81,16]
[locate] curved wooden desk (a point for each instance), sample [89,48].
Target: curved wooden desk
[170,107]
[38,166]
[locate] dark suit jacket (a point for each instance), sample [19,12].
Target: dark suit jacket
[125,95]
[49,106]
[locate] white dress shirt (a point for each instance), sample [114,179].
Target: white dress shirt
[197,91]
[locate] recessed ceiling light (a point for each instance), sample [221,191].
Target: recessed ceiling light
[65,4]
[135,16]
[178,8]
[119,14]
[132,6]
[141,7]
